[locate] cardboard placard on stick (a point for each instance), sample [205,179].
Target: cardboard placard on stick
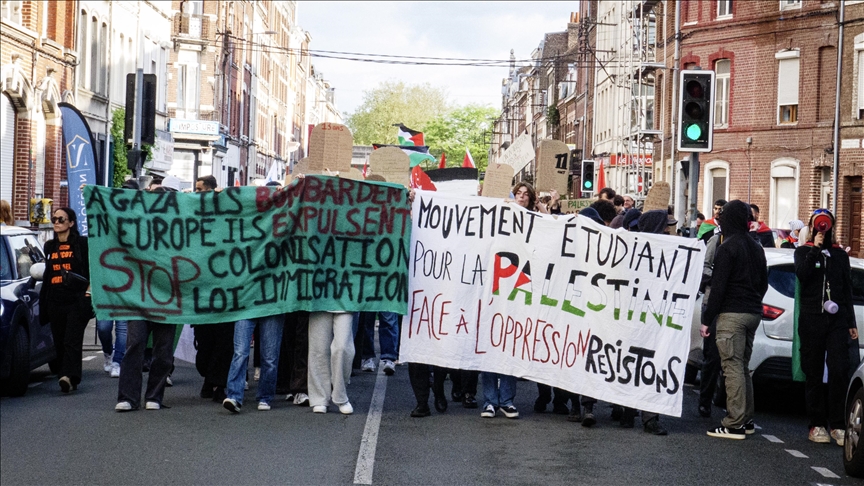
[658,197]
[392,164]
[553,160]
[519,154]
[497,181]
[330,147]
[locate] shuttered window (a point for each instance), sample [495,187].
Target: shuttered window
[7,147]
[788,74]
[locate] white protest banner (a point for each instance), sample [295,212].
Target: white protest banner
[566,302]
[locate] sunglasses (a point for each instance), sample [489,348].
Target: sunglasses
[58,219]
[821,211]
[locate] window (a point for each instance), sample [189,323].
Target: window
[721,93]
[859,58]
[789,4]
[715,185]
[825,188]
[724,8]
[784,193]
[94,54]
[82,49]
[181,88]
[11,10]
[787,86]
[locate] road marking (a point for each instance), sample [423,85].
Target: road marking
[797,453]
[31,385]
[88,358]
[772,438]
[369,442]
[824,471]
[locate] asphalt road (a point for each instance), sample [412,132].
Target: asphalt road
[47,438]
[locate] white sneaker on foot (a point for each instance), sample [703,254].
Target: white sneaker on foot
[152,406]
[289,397]
[168,381]
[115,370]
[820,435]
[257,376]
[388,366]
[123,406]
[301,399]
[231,405]
[263,406]
[319,409]
[346,408]
[839,436]
[107,364]
[368,365]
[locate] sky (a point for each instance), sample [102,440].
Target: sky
[477,30]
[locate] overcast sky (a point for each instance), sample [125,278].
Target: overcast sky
[480,30]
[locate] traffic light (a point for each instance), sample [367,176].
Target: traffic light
[148,109]
[587,176]
[696,111]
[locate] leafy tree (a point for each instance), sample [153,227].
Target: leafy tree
[413,105]
[459,129]
[121,169]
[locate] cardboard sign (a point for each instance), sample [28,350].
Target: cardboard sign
[392,164]
[302,167]
[658,197]
[519,154]
[553,160]
[330,147]
[565,302]
[497,181]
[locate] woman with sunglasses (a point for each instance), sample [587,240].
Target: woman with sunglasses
[826,323]
[65,295]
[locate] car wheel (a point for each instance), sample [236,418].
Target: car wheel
[19,373]
[853,448]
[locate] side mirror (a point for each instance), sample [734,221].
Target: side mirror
[37,270]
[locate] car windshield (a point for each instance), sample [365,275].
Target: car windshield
[26,251]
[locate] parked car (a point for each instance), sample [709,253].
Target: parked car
[24,343]
[853,446]
[772,346]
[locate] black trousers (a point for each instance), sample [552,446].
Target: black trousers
[293,365]
[215,344]
[820,334]
[711,371]
[561,396]
[131,378]
[464,382]
[419,376]
[68,323]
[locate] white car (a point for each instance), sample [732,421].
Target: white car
[772,346]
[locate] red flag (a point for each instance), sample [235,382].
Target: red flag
[443,163]
[419,180]
[468,161]
[237,182]
[366,168]
[601,178]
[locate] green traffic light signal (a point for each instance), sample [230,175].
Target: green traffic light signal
[694,132]
[588,184]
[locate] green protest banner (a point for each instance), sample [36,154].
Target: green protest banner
[319,244]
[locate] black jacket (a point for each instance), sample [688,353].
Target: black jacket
[740,277]
[817,273]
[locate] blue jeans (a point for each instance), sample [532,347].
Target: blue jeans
[388,334]
[498,390]
[103,329]
[270,328]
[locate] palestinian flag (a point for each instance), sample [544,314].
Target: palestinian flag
[417,154]
[706,226]
[410,137]
[460,181]
[419,180]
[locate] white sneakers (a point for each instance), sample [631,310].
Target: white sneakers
[388,366]
[152,406]
[108,364]
[368,365]
[301,399]
[839,436]
[820,435]
[319,409]
[115,370]
[346,408]
[123,407]
[263,406]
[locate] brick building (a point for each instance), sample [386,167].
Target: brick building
[776,67]
[37,62]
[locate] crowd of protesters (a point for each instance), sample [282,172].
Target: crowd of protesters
[308,357]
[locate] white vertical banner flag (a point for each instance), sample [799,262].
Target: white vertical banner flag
[561,301]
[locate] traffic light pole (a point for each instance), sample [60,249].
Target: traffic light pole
[137,121]
[692,191]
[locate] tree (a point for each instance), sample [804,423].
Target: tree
[121,168]
[459,129]
[395,102]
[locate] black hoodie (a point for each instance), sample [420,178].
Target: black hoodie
[740,277]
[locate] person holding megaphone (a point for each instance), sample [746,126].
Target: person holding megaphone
[826,323]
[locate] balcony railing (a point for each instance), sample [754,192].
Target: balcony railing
[192,26]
